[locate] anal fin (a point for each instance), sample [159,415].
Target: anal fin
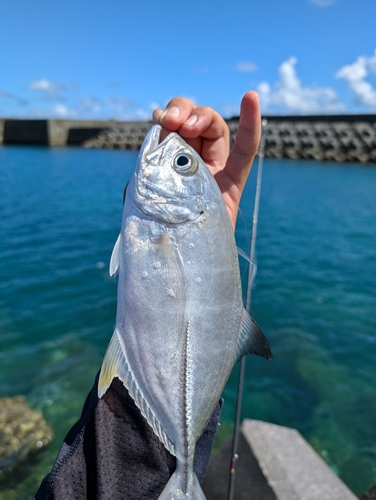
[115,364]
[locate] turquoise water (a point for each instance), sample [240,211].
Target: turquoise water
[315,298]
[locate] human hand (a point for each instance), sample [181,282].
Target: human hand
[206,131]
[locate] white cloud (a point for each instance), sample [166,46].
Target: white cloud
[126,109]
[323,3]
[355,74]
[246,67]
[89,106]
[118,108]
[141,114]
[61,110]
[154,105]
[57,102]
[288,94]
[51,89]
[229,109]
[44,85]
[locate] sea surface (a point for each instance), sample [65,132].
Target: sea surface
[314,297]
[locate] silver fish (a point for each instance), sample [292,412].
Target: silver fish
[180,324]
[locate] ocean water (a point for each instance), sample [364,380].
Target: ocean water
[314,297]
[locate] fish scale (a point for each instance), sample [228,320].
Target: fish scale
[180,322]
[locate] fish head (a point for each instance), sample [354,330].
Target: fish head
[171,182]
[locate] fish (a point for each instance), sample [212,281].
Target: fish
[180,323]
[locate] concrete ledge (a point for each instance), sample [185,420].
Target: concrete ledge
[293,469]
[250,482]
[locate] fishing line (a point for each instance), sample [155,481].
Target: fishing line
[251,277]
[243,269]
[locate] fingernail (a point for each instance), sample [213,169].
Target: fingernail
[173,112]
[191,120]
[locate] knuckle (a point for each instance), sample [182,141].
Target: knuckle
[179,101]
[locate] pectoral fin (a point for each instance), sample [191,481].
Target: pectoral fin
[251,340]
[114,262]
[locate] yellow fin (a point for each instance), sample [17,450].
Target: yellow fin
[112,365]
[115,364]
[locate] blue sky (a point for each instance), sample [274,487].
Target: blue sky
[119,59]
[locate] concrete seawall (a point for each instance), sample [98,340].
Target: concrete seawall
[333,138]
[326,137]
[49,132]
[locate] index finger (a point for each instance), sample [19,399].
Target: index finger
[246,143]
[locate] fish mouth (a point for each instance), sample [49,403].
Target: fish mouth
[153,149]
[151,141]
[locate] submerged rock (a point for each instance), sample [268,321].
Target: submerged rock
[23,432]
[369,495]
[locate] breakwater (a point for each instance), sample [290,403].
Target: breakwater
[63,132]
[338,138]
[321,137]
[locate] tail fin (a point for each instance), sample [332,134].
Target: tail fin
[173,490]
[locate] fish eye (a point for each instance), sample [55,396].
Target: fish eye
[185,163]
[182,161]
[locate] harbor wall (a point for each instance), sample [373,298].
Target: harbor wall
[49,132]
[337,138]
[318,137]
[25,132]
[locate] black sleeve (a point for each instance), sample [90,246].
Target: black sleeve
[112,453]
